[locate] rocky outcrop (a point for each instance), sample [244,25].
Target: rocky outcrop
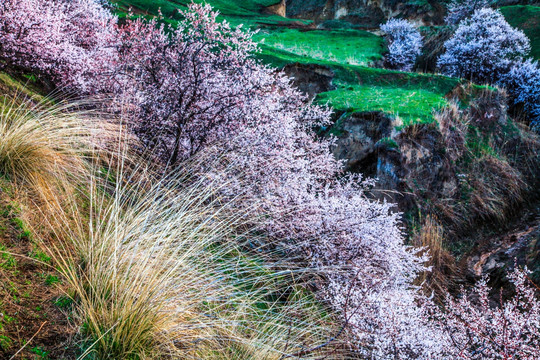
[364,13]
[278,9]
[358,135]
[416,163]
[310,79]
[519,247]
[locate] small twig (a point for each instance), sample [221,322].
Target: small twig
[28,342]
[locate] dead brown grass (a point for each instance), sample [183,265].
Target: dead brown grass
[497,188]
[444,270]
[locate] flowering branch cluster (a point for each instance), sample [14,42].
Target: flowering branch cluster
[483,47]
[61,41]
[474,328]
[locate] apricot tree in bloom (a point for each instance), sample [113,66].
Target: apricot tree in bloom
[58,40]
[523,84]
[483,48]
[404,44]
[189,84]
[196,88]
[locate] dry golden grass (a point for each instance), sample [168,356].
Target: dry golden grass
[430,237]
[498,187]
[41,145]
[161,271]
[453,126]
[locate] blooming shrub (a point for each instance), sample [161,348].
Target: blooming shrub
[483,47]
[476,329]
[404,44]
[459,10]
[58,40]
[523,83]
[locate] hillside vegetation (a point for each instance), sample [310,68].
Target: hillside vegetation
[215,180]
[348,53]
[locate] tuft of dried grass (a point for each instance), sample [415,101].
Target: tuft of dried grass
[41,144]
[164,268]
[497,188]
[442,265]
[453,125]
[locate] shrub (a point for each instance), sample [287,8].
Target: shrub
[404,44]
[476,329]
[523,84]
[330,223]
[483,47]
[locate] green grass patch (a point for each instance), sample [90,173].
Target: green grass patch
[411,105]
[232,10]
[5,342]
[168,8]
[353,47]
[7,260]
[526,18]
[23,87]
[52,280]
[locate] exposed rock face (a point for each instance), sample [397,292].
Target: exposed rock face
[402,161]
[519,247]
[368,13]
[357,140]
[278,9]
[417,164]
[310,79]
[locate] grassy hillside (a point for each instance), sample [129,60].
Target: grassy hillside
[340,46]
[527,18]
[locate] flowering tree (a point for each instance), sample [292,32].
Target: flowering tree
[478,330]
[327,220]
[459,10]
[483,47]
[57,40]
[404,44]
[523,83]
[189,85]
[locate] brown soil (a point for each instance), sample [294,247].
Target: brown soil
[34,312]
